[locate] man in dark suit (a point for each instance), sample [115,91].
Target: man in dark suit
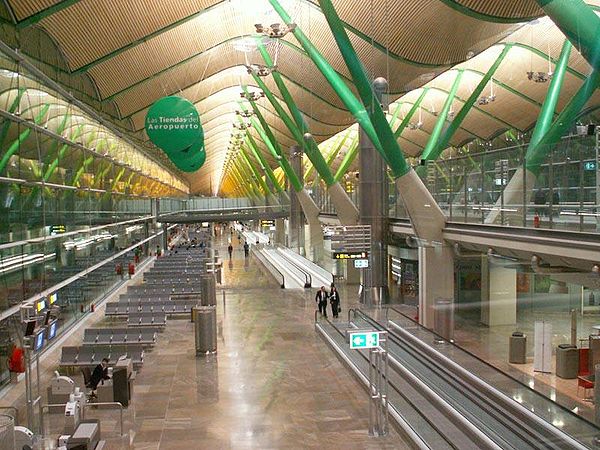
[321,299]
[100,373]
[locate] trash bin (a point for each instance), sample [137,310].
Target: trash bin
[517,348]
[444,318]
[208,290]
[567,361]
[205,328]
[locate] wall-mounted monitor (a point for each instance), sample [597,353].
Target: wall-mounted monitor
[38,340]
[52,298]
[30,327]
[51,330]
[40,305]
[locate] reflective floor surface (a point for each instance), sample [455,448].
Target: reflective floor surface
[274,384]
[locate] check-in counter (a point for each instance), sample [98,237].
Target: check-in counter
[120,387]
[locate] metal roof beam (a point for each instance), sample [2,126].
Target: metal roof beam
[35,18]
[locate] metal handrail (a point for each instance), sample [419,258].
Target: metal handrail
[47,407]
[266,262]
[117,405]
[353,311]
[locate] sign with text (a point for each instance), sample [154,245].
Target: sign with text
[350,255]
[361,263]
[364,339]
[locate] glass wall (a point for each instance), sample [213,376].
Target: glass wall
[77,204]
[499,187]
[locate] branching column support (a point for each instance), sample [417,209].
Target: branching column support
[518,190]
[440,144]
[436,264]
[346,210]
[427,218]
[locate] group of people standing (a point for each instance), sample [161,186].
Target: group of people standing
[334,300]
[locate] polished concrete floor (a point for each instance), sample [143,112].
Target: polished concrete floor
[273,384]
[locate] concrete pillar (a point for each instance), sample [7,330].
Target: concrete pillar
[498,294]
[373,210]
[296,231]
[436,280]
[280,231]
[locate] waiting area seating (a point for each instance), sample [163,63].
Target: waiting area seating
[147,319]
[150,307]
[91,355]
[111,336]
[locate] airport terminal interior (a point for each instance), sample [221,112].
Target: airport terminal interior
[290,224]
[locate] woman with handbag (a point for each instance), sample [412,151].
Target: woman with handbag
[334,299]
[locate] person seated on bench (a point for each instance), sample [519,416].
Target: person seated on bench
[100,373]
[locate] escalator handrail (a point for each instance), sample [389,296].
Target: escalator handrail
[487,363]
[315,268]
[266,262]
[307,277]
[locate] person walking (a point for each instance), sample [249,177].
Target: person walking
[230,250]
[321,299]
[246,249]
[334,299]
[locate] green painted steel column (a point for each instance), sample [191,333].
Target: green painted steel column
[348,160]
[432,143]
[340,87]
[311,149]
[563,123]
[579,23]
[443,142]
[546,115]
[247,179]
[267,136]
[248,176]
[336,152]
[390,151]
[258,153]
[310,146]
[24,135]
[255,171]
[61,153]
[410,114]
[264,164]
[239,180]
[11,109]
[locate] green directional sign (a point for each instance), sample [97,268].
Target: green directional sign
[364,339]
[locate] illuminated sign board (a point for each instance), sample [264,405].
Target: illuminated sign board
[361,263]
[52,298]
[350,255]
[267,223]
[40,305]
[57,229]
[590,165]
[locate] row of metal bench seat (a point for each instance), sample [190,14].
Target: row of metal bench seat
[91,355]
[166,307]
[147,319]
[114,336]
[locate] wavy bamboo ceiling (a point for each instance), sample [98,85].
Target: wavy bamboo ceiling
[137,51]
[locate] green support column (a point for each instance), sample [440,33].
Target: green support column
[243,170]
[349,158]
[563,122]
[410,114]
[432,143]
[242,181]
[267,136]
[11,109]
[255,171]
[390,150]
[310,146]
[336,151]
[24,135]
[443,142]
[517,192]
[340,87]
[544,121]
[251,143]
[61,153]
[259,156]
[311,149]
[579,23]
